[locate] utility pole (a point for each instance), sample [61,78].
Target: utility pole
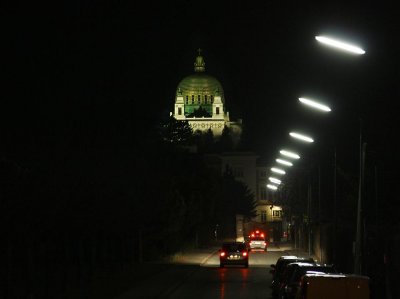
[357,253]
[309,218]
[334,210]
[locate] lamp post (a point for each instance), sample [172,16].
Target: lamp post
[357,246]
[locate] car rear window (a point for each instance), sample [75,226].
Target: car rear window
[257,239]
[234,247]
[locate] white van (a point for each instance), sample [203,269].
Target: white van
[333,286]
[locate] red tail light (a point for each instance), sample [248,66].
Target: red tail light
[222,253]
[244,253]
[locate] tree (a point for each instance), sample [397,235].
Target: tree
[176,131]
[225,142]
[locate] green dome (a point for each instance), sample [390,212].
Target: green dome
[200,84]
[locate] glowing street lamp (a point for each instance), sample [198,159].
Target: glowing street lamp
[315,105]
[301,137]
[284,162]
[290,154]
[278,170]
[275,180]
[340,45]
[272,187]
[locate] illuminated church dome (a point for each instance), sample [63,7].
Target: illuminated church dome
[200,100]
[199,90]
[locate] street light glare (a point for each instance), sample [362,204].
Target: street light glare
[290,154]
[284,162]
[340,45]
[275,180]
[301,137]
[315,104]
[278,170]
[272,187]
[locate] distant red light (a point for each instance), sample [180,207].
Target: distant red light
[257,231]
[244,253]
[222,253]
[252,235]
[262,235]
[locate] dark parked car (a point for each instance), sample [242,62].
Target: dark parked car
[293,273]
[278,269]
[234,253]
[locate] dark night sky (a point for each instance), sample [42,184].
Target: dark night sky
[82,65]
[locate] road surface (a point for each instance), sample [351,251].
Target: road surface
[207,280]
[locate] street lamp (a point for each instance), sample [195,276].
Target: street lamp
[301,137]
[340,45]
[272,187]
[275,180]
[284,162]
[357,250]
[315,104]
[278,170]
[290,154]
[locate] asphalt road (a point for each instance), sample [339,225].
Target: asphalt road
[207,280]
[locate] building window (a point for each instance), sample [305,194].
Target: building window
[205,99]
[187,99]
[263,193]
[212,99]
[277,213]
[192,99]
[217,110]
[179,111]
[264,216]
[198,99]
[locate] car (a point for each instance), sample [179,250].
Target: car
[234,253]
[257,241]
[278,268]
[293,273]
[333,286]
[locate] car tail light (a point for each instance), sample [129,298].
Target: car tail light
[222,253]
[265,243]
[244,253]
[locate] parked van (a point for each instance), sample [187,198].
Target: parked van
[333,286]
